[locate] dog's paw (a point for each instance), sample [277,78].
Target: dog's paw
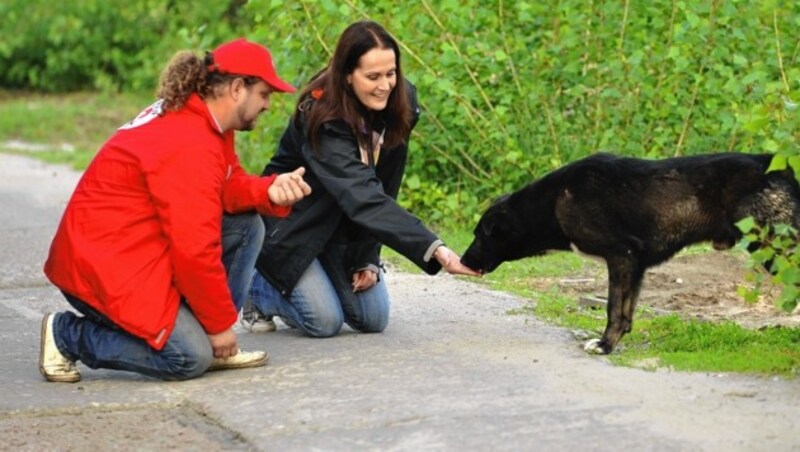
[594,347]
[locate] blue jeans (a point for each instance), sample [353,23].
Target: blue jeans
[97,342]
[320,304]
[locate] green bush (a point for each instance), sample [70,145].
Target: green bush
[511,90]
[103,44]
[778,254]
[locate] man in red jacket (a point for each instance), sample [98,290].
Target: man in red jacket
[158,243]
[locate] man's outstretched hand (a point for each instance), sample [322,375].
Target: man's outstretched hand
[288,188]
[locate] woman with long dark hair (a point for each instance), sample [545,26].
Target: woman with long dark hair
[320,267]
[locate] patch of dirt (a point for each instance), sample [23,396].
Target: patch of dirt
[700,286]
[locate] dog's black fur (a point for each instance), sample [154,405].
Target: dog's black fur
[634,214]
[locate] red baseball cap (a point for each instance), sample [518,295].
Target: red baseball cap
[243,57]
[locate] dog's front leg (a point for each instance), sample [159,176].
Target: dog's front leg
[623,286]
[631,298]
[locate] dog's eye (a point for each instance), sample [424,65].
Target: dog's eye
[495,229]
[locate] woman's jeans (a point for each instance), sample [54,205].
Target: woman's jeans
[318,307]
[97,342]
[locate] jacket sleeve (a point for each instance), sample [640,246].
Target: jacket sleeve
[361,196]
[242,192]
[366,252]
[185,187]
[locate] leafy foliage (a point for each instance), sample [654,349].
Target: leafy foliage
[778,254]
[511,90]
[105,44]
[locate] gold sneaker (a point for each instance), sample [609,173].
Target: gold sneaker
[241,360]
[52,364]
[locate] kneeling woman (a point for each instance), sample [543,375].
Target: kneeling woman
[320,266]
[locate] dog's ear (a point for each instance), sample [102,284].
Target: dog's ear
[495,222]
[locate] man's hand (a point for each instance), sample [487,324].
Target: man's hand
[288,188]
[363,280]
[452,263]
[224,343]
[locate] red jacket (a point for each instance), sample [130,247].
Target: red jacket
[143,227]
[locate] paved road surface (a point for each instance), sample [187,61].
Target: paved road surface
[453,371]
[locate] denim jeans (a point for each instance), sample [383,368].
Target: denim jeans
[320,304]
[97,342]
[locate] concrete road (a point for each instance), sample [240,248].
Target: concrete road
[454,371]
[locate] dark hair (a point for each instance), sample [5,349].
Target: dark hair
[186,73]
[340,102]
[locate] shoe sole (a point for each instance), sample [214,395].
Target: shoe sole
[48,377]
[244,365]
[259,325]
[264,327]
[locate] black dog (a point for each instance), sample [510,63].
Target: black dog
[634,214]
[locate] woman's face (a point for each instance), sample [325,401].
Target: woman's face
[374,78]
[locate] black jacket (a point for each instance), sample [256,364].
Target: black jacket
[351,205]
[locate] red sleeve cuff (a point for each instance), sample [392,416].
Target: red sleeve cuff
[267,207]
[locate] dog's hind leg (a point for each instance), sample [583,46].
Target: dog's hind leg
[624,282]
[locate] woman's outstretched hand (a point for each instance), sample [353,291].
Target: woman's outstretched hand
[452,263]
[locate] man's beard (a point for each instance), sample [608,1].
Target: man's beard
[245,123]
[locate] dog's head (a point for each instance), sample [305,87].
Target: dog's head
[499,237]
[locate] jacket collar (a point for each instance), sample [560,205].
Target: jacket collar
[197,105]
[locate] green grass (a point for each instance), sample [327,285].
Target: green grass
[657,341]
[86,120]
[714,347]
[80,122]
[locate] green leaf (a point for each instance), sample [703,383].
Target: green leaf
[778,162]
[739,60]
[413,182]
[756,124]
[694,19]
[789,276]
[794,162]
[789,298]
[783,229]
[771,146]
[746,224]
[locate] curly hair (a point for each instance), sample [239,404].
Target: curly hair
[186,73]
